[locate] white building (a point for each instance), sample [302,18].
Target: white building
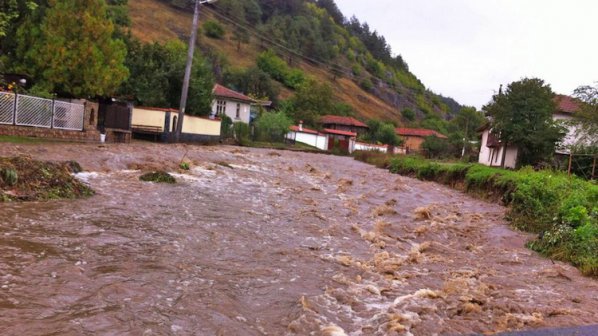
[235,105]
[308,136]
[491,149]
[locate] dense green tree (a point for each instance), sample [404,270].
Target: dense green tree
[254,82]
[435,147]
[272,126]
[381,132]
[587,117]
[333,10]
[73,52]
[312,100]
[157,75]
[522,117]
[11,11]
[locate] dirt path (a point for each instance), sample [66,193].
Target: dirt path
[259,242]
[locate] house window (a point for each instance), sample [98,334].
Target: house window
[220,107]
[238,114]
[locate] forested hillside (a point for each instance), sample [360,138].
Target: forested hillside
[304,55]
[313,39]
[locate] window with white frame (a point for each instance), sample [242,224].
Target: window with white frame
[238,114]
[220,107]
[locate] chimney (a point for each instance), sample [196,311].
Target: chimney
[301,125]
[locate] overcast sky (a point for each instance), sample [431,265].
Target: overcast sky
[467,48]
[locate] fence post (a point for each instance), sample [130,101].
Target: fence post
[593,168]
[570,162]
[53,112]
[15,107]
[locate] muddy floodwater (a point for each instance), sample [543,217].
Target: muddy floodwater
[262,242]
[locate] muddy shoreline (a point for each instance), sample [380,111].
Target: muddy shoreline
[273,243]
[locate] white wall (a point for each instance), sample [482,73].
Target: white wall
[318,141]
[572,137]
[361,146]
[231,110]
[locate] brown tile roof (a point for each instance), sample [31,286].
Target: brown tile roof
[339,120]
[224,92]
[566,104]
[421,132]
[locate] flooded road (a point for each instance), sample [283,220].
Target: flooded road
[261,242]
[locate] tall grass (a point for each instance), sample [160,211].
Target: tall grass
[563,210]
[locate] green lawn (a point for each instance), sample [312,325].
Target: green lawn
[21,140]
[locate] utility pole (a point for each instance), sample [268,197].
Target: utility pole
[187,78]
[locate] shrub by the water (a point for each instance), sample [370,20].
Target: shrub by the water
[158,177]
[563,210]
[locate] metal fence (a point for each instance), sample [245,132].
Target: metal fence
[24,110]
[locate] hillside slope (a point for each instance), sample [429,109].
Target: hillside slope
[153,20]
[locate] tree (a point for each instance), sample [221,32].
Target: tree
[381,132]
[312,100]
[587,116]
[10,11]
[522,117]
[272,126]
[254,82]
[73,52]
[435,147]
[157,77]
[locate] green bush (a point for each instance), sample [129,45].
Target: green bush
[273,126]
[158,177]
[408,114]
[213,29]
[276,67]
[241,133]
[562,209]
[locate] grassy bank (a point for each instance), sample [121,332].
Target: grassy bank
[563,210]
[24,179]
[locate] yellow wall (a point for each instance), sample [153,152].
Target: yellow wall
[195,125]
[192,125]
[148,118]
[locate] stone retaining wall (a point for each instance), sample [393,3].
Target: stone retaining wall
[47,133]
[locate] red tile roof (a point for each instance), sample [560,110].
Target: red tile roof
[566,104]
[295,128]
[420,132]
[339,120]
[339,132]
[224,92]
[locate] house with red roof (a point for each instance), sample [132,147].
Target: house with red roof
[415,137]
[491,148]
[341,123]
[233,104]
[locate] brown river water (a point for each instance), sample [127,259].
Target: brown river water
[262,242]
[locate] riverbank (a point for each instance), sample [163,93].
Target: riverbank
[563,210]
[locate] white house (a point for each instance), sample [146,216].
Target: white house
[308,137]
[235,105]
[491,149]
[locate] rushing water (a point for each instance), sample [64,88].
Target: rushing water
[256,242]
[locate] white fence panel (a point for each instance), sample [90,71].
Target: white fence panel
[7,108]
[68,116]
[34,111]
